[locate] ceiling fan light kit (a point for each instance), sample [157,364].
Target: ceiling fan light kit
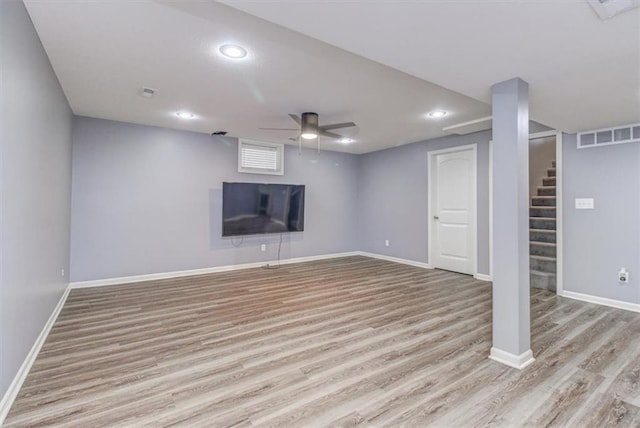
[310,129]
[309,126]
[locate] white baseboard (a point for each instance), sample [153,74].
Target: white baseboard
[396,259]
[507,358]
[483,277]
[18,380]
[228,268]
[619,304]
[204,271]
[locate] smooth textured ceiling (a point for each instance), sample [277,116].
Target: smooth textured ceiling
[584,73]
[103,52]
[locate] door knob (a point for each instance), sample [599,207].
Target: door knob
[435,217]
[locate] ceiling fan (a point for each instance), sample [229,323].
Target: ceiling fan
[311,129]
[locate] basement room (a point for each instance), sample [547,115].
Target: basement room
[320,214]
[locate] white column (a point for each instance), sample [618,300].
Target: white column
[511,319]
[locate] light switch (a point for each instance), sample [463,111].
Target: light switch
[584,203]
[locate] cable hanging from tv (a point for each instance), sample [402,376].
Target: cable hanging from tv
[270,266]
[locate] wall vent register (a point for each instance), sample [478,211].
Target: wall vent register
[609,136]
[259,157]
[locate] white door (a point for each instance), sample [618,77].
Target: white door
[452,210]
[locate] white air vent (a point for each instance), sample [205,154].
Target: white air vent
[609,136]
[609,8]
[258,157]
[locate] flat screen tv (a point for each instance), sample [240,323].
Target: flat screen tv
[252,208]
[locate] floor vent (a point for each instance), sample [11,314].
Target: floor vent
[609,136]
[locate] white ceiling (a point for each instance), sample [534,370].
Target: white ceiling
[584,73]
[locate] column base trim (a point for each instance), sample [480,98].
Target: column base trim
[507,358]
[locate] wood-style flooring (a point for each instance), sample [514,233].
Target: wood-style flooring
[343,342]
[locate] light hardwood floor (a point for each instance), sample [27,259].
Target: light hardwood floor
[343,342]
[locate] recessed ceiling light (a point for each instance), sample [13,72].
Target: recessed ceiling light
[437,114]
[185,115]
[346,140]
[233,51]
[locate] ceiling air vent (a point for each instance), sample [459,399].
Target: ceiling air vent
[609,136]
[258,157]
[147,92]
[609,8]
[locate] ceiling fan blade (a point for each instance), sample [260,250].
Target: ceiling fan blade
[336,126]
[281,129]
[329,134]
[296,118]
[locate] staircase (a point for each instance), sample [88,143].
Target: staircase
[542,233]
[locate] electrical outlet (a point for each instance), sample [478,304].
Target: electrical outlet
[623,276]
[386,242]
[263,247]
[62,272]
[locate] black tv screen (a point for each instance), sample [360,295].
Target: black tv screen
[252,208]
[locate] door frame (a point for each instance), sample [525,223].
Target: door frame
[474,221]
[559,207]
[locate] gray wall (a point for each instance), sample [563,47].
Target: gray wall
[542,152]
[393,195]
[35,131]
[598,242]
[148,200]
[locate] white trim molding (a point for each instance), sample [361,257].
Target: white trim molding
[178,274]
[12,392]
[396,260]
[618,304]
[491,208]
[507,358]
[483,277]
[476,125]
[203,271]
[559,217]
[543,134]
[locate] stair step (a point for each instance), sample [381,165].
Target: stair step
[549,181]
[542,223]
[545,249]
[542,235]
[542,263]
[543,201]
[542,212]
[545,280]
[551,172]
[547,191]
